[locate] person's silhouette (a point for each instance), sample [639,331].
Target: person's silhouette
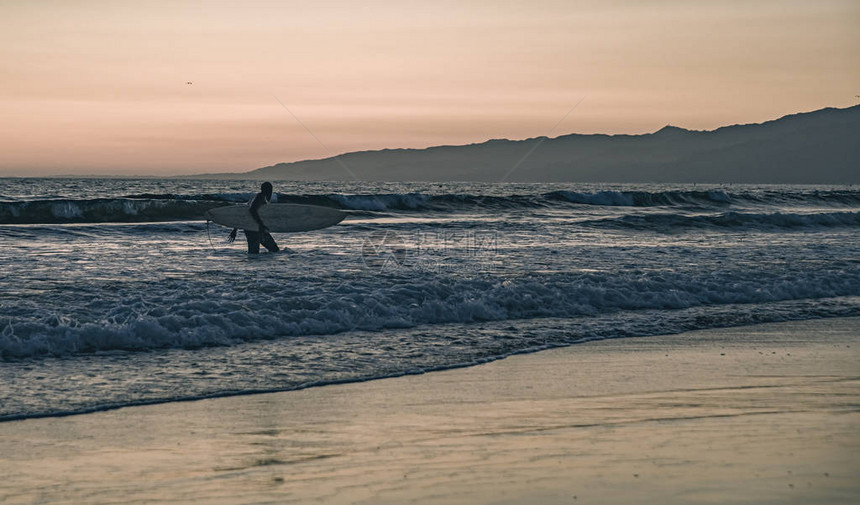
[262,236]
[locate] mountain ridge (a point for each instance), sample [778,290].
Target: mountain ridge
[821,146]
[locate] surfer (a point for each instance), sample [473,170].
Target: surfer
[255,238]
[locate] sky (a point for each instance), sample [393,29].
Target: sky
[102,88]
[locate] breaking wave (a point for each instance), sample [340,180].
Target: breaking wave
[150,207]
[184,317]
[106,210]
[738,220]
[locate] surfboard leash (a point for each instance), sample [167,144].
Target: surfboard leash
[208,234]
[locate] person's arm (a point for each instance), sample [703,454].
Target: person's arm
[258,202]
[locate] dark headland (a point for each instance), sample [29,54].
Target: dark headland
[819,147]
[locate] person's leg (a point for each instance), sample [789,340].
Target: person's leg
[269,243]
[253,241]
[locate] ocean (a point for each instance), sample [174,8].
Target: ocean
[117,292]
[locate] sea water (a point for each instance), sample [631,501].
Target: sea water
[117,292]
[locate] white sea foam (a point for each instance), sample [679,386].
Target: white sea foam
[185,318]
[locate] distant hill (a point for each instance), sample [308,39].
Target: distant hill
[814,147]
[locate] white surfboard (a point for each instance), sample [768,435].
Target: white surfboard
[278,217]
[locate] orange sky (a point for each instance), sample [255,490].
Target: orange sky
[100,87]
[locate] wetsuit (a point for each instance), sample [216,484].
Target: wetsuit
[255,238]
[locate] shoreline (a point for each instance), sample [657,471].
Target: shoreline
[339,382]
[733,415]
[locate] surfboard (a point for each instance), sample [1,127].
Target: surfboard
[278,217]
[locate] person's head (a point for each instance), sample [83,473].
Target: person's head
[266,189]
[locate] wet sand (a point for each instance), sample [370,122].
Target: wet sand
[759,414]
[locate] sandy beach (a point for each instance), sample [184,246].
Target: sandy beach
[531,252]
[758,414]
